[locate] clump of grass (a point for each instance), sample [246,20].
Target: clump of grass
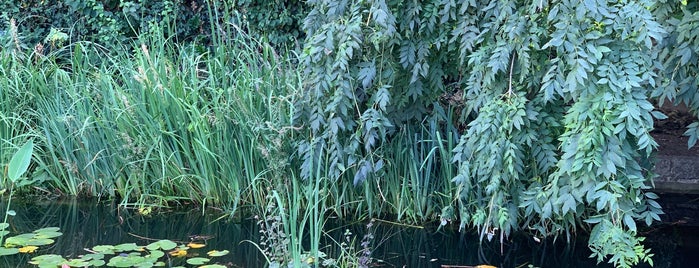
[158,123]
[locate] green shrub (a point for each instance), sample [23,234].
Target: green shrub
[118,21]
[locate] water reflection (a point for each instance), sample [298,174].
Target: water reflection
[87,224]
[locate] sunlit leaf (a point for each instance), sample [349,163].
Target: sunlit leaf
[178,253]
[216,253]
[195,245]
[28,249]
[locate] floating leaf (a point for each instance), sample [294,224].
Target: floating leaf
[197,261]
[216,253]
[156,254]
[195,245]
[50,260]
[51,232]
[28,249]
[96,263]
[126,247]
[212,266]
[162,244]
[93,256]
[8,251]
[77,263]
[127,261]
[178,253]
[105,249]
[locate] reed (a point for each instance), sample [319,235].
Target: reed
[158,123]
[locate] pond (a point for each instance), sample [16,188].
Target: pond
[88,224]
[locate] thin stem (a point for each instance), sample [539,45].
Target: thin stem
[9,202]
[512,66]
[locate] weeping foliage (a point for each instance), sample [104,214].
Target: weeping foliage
[556,100]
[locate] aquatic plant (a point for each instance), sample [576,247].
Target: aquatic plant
[29,242]
[16,168]
[158,253]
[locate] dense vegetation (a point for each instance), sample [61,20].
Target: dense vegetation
[501,115]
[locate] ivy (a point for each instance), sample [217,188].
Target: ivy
[557,103]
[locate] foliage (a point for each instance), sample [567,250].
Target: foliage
[29,242]
[18,165]
[118,21]
[157,253]
[163,124]
[105,22]
[679,54]
[555,98]
[278,21]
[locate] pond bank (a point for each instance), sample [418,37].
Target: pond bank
[85,225]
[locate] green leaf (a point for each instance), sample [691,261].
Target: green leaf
[629,222]
[8,251]
[20,161]
[126,247]
[162,244]
[212,266]
[197,261]
[216,253]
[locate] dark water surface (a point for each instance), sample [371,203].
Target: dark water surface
[87,224]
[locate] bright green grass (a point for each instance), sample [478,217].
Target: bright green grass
[162,123]
[156,123]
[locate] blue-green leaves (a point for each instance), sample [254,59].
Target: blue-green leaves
[555,98]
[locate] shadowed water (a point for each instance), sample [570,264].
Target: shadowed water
[88,224]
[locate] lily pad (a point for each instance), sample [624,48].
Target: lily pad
[212,266]
[162,244]
[126,261]
[126,247]
[178,253]
[39,241]
[93,256]
[216,253]
[197,261]
[104,249]
[28,249]
[46,230]
[50,232]
[8,251]
[96,263]
[50,260]
[196,245]
[157,254]
[76,263]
